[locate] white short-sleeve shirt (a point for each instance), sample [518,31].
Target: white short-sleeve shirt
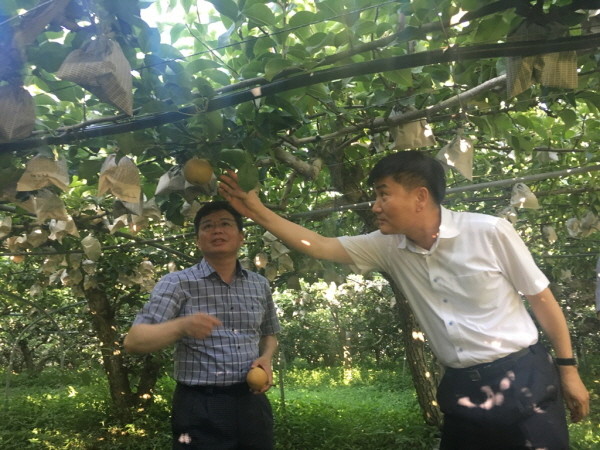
[466,290]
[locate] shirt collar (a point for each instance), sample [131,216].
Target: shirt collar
[207,270]
[448,230]
[448,227]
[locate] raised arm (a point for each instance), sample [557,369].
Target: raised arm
[552,320]
[146,338]
[293,235]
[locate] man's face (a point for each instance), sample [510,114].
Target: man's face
[218,235]
[395,206]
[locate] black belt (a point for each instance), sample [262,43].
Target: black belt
[236,390]
[484,370]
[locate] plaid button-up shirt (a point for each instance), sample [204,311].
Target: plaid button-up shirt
[245,307]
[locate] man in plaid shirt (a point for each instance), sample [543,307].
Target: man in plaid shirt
[222,321]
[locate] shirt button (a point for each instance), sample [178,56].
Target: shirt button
[451,323]
[445,300]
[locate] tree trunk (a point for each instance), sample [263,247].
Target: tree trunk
[27,356]
[424,378]
[149,375]
[103,320]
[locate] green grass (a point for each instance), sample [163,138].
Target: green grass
[320,410]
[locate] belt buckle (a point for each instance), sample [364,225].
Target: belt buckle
[474,375]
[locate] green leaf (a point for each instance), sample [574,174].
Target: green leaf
[401,77]
[233,157]
[48,56]
[248,176]
[198,65]
[227,8]
[320,91]
[264,45]
[149,39]
[134,142]
[490,29]
[152,171]
[261,14]
[215,122]
[176,31]
[153,106]
[274,66]
[89,169]
[302,18]
[568,117]
[217,76]
[502,125]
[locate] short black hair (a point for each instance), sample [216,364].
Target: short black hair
[212,207]
[412,169]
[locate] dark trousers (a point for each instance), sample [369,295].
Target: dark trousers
[217,418]
[513,403]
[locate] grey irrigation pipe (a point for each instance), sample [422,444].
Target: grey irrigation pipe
[469,188]
[420,59]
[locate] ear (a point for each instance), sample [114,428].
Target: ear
[422,197]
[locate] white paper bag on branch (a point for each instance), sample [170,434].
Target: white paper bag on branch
[51,264]
[413,135]
[42,171]
[118,223]
[91,247]
[48,205]
[522,197]
[5,226]
[61,228]
[509,213]
[122,179]
[189,210]
[15,244]
[458,153]
[17,113]
[101,67]
[171,181]
[550,69]
[151,210]
[549,234]
[120,207]
[37,237]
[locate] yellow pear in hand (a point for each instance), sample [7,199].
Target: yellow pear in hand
[257,378]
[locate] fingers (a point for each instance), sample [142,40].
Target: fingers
[578,409]
[201,325]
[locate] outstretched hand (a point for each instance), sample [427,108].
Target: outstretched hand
[244,202]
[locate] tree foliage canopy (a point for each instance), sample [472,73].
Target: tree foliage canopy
[301,98]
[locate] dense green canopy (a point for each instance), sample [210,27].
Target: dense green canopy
[102,102]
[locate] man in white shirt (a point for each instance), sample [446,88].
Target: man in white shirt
[463,275]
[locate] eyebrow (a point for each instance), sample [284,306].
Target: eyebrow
[224,219]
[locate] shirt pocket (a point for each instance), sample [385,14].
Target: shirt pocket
[482,290]
[251,312]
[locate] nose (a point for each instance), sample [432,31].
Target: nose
[376,207]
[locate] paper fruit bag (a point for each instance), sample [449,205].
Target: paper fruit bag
[17,113]
[101,67]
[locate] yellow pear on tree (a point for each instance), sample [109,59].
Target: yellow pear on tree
[197,171]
